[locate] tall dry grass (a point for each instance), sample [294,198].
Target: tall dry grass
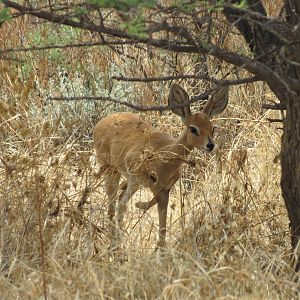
[227,225]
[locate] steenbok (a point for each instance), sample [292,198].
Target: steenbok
[127,145]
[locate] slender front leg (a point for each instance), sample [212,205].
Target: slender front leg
[162,207]
[112,186]
[126,194]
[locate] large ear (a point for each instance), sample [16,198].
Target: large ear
[217,102]
[178,95]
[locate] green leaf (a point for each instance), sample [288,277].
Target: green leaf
[242,4]
[80,11]
[123,5]
[217,7]
[205,45]
[186,7]
[135,27]
[5,15]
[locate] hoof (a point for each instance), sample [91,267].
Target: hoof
[142,205]
[160,246]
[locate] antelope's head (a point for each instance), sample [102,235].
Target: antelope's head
[198,125]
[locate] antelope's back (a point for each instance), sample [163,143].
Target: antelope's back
[116,134]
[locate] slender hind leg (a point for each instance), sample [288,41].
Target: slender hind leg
[126,194]
[112,187]
[162,207]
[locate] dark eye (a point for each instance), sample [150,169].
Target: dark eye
[213,130]
[194,130]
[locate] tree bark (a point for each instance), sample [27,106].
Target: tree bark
[290,149]
[290,177]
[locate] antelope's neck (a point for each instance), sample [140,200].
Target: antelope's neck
[181,148]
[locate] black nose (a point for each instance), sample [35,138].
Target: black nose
[210,146]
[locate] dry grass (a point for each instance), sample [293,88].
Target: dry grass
[227,225]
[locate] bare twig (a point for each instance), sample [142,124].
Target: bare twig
[275,120]
[275,106]
[64,46]
[160,108]
[190,76]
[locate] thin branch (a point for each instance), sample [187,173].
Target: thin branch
[200,77]
[275,106]
[255,67]
[275,120]
[63,46]
[202,96]
[278,28]
[46,15]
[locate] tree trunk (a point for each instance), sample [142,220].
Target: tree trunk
[260,41]
[290,178]
[290,148]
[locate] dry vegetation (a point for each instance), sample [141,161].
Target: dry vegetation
[227,225]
